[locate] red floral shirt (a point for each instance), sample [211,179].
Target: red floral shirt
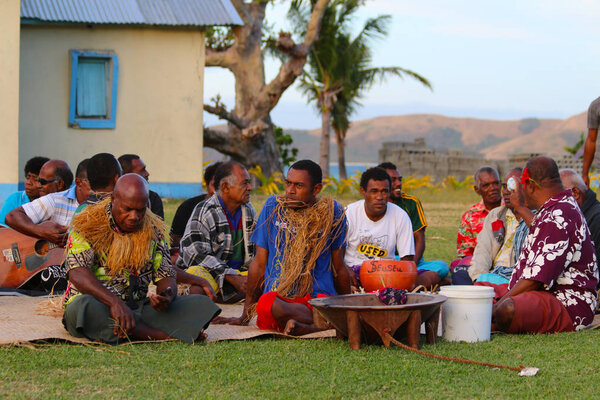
[470,226]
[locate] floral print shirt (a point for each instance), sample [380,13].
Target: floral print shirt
[559,253]
[470,226]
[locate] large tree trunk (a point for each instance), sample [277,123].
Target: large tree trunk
[325,139]
[327,99]
[250,137]
[340,137]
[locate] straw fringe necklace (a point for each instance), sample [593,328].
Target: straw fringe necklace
[304,233]
[120,250]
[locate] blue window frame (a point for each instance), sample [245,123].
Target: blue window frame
[94,80]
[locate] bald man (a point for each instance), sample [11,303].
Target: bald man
[115,249]
[553,286]
[589,204]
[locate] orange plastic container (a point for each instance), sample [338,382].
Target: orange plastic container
[379,274]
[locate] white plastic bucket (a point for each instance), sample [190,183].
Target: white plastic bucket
[467,314]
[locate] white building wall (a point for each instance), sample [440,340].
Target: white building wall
[9,96]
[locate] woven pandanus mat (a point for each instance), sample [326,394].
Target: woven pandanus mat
[28,319]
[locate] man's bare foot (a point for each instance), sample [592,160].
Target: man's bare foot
[202,336]
[296,328]
[227,321]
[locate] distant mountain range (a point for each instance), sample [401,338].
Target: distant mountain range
[494,139]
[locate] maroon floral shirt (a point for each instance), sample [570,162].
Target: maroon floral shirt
[560,253]
[470,226]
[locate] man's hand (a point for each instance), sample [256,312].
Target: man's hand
[123,316]
[516,203]
[239,282]
[195,282]
[208,290]
[586,179]
[514,199]
[53,232]
[160,303]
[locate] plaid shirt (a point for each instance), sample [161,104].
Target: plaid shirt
[207,240]
[57,207]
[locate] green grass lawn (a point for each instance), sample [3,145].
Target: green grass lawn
[314,369]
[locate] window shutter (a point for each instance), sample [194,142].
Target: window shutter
[91,88]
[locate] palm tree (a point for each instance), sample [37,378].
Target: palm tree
[340,73]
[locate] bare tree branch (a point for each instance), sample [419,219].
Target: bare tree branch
[220,111]
[217,58]
[220,140]
[291,69]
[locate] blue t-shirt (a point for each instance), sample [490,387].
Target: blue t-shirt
[265,235]
[15,200]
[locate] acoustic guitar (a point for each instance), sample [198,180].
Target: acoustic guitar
[22,257]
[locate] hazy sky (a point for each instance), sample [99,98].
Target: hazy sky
[500,60]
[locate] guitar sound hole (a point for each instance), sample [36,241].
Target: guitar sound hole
[41,247]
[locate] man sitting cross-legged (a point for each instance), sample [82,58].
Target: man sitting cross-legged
[376,229]
[553,287]
[103,173]
[215,244]
[115,249]
[498,244]
[430,272]
[300,243]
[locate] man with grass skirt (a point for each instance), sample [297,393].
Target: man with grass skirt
[300,245]
[115,249]
[553,285]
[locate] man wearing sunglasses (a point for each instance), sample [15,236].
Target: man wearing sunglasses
[48,217]
[31,192]
[55,176]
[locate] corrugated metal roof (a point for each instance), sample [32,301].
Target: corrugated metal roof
[147,12]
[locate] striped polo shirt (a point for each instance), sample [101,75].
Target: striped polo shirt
[413,208]
[56,207]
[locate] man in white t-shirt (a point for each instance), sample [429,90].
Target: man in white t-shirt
[376,229]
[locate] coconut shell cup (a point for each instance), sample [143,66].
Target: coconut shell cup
[379,274]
